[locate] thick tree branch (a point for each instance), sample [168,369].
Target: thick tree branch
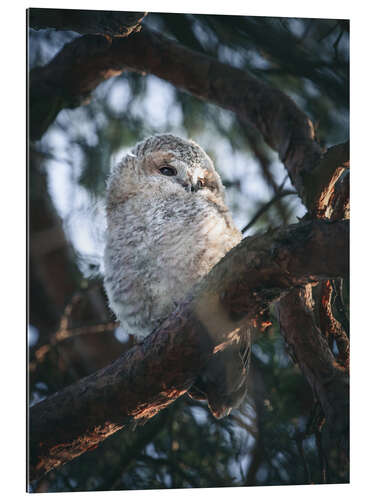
[84,63]
[330,326]
[153,374]
[327,185]
[326,195]
[328,379]
[81,65]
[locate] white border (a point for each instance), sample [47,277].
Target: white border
[13,206]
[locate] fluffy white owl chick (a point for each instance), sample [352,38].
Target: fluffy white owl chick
[167,226]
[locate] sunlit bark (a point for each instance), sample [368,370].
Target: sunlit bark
[153,374]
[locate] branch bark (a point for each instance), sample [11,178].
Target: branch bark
[331,327]
[327,185]
[326,195]
[328,379]
[84,63]
[153,374]
[87,61]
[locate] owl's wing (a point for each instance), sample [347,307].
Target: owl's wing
[224,380]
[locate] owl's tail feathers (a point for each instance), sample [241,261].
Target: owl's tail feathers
[224,380]
[222,406]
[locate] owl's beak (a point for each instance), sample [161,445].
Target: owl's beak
[196,187]
[193,188]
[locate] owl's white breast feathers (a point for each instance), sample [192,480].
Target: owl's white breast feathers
[162,238]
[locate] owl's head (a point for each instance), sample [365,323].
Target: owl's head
[165,164]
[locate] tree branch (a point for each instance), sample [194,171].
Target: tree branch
[327,185]
[326,197]
[328,379]
[330,326]
[254,139]
[84,63]
[87,61]
[277,196]
[110,23]
[153,374]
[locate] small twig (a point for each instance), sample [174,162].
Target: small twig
[66,333]
[266,206]
[264,161]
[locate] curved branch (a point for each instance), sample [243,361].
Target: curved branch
[153,374]
[328,379]
[84,63]
[327,186]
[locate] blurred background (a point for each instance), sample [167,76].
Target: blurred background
[273,438]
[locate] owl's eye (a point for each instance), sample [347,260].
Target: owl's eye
[169,171]
[200,184]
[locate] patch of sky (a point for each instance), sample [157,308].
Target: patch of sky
[121,335]
[200,415]
[83,218]
[260,354]
[151,451]
[229,56]
[156,104]
[257,61]
[119,96]
[39,393]
[32,335]
[205,36]
[44,44]
[296,26]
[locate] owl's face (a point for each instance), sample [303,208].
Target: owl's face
[167,164]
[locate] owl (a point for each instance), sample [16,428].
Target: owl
[167,226]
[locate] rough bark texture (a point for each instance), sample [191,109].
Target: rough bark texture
[152,375]
[81,65]
[311,340]
[84,63]
[331,327]
[327,185]
[328,379]
[304,337]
